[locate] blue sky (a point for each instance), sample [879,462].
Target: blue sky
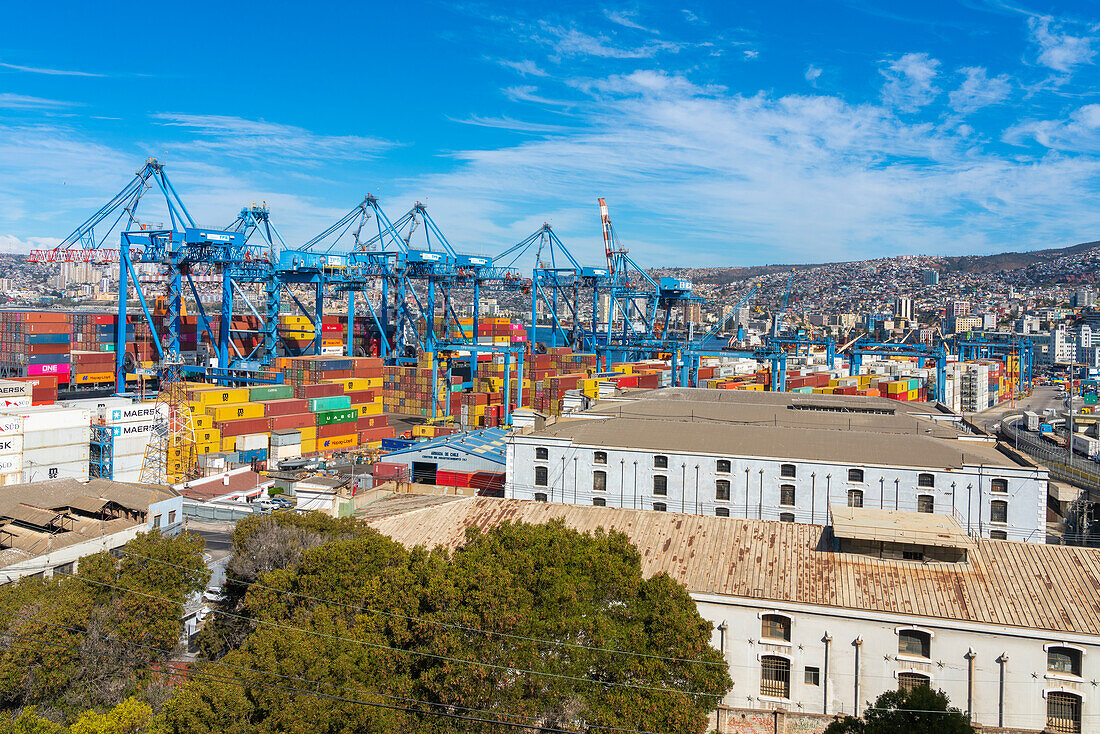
[720,133]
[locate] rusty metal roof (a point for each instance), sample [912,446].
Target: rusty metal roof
[1004,583]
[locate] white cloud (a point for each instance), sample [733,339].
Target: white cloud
[48,72]
[574,42]
[525,67]
[23,102]
[691,16]
[241,138]
[1079,133]
[750,53]
[626,19]
[1056,49]
[11,243]
[978,90]
[909,81]
[813,73]
[694,176]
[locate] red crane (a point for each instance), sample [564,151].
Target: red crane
[608,237]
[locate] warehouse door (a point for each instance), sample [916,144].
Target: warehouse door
[423,472]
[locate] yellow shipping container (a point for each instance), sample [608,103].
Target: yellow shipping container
[229,443]
[374,408]
[897,386]
[207,448]
[290,319]
[221,396]
[202,421]
[912,395]
[236,411]
[309,433]
[309,447]
[207,435]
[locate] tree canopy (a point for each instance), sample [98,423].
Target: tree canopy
[536,624]
[917,711]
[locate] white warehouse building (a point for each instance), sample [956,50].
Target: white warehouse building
[819,621]
[779,456]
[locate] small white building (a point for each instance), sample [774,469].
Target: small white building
[779,456]
[820,621]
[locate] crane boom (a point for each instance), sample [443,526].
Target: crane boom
[608,237]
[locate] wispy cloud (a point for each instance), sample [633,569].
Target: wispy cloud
[526,67]
[909,81]
[48,72]
[1078,133]
[813,73]
[627,19]
[23,102]
[978,90]
[1057,49]
[508,123]
[572,41]
[242,138]
[691,16]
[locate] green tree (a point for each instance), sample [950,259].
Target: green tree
[918,711]
[365,617]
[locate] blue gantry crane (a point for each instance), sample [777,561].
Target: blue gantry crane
[936,354]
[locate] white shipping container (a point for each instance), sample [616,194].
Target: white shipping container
[127,463]
[15,402]
[11,444]
[50,417]
[12,390]
[11,478]
[51,454]
[11,424]
[127,476]
[279,453]
[143,413]
[61,437]
[11,463]
[59,470]
[251,442]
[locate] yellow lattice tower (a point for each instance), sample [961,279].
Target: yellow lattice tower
[170,454]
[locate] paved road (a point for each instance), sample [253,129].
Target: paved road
[1041,398]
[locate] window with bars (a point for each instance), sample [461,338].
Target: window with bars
[926,503]
[599,457]
[1063,713]
[541,453]
[660,462]
[599,481]
[926,480]
[722,511]
[909,681]
[599,502]
[915,643]
[786,495]
[998,511]
[775,627]
[1064,660]
[998,485]
[855,498]
[786,517]
[541,476]
[722,490]
[998,535]
[775,677]
[787,471]
[723,466]
[855,475]
[660,485]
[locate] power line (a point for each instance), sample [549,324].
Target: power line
[447,624]
[307,680]
[445,658]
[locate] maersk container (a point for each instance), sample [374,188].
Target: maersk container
[12,444]
[133,413]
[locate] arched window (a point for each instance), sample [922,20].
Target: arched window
[722,511]
[660,485]
[723,466]
[599,481]
[599,502]
[914,643]
[787,471]
[855,498]
[775,627]
[659,506]
[1064,660]
[926,480]
[855,475]
[998,511]
[660,462]
[786,517]
[998,485]
[540,496]
[722,490]
[599,457]
[786,495]
[926,503]
[909,681]
[540,476]
[1063,713]
[542,453]
[775,677]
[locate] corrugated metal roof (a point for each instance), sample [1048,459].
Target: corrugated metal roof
[488,443]
[1004,583]
[898,526]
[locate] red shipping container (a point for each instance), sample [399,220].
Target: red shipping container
[319,390]
[241,427]
[286,406]
[376,434]
[287,422]
[336,429]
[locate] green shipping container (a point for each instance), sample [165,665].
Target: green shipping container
[328,417]
[331,402]
[270,392]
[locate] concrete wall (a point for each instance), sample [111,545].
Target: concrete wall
[755,484]
[855,674]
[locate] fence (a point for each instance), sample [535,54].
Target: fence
[1062,464]
[214,513]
